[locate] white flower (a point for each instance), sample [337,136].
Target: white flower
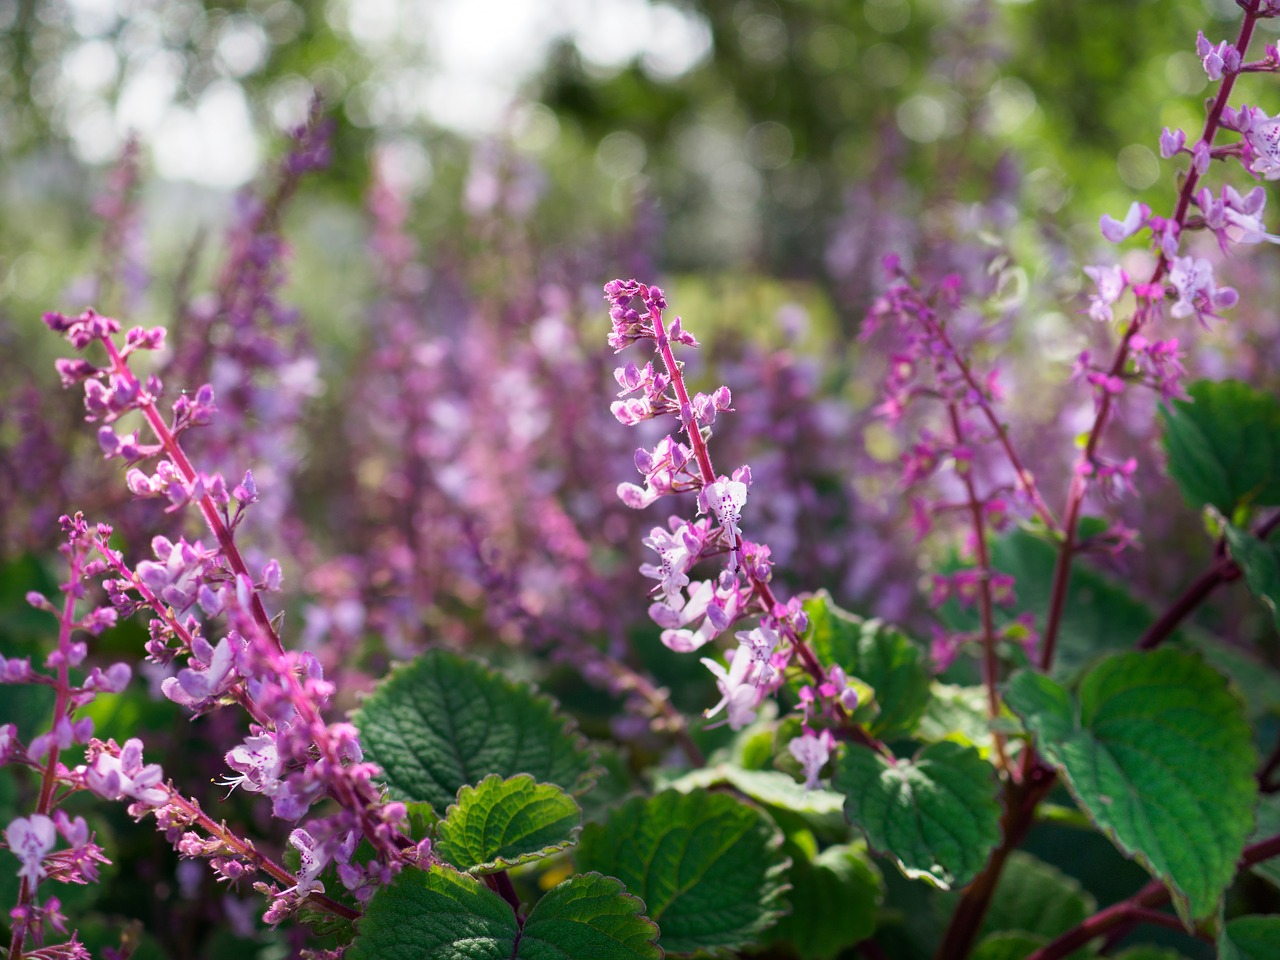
[30,838]
[739,695]
[726,498]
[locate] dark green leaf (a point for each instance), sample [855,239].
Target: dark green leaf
[936,814]
[1224,446]
[1268,827]
[1260,561]
[1157,751]
[709,868]
[500,823]
[834,899]
[444,915]
[1250,938]
[877,654]
[1008,945]
[442,723]
[1036,898]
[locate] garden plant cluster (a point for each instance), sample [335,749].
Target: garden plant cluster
[566,666]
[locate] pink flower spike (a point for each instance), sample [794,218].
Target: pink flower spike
[30,838]
[1117,230]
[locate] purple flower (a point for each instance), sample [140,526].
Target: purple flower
[30,838]
[1193,283]
[1111,282]
[1117,230]
[676,553]
[1171,142]
[114,775]
[812,750]
[1224,58]
[1262,137]
[258,762]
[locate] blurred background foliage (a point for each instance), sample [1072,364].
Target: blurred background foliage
[747,122]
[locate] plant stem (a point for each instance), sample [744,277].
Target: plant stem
[1021,800]
[1224,570]
[208,508]
[1139,907]
[990,662]
[1079,483]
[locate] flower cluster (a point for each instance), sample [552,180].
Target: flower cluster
[292,755]
[694,612]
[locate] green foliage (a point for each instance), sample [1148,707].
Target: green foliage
[1224,446]
[501,823]
[710,868]
[935,814]
[1260,562]
[834,900]
[442,723]
[959,714]
[1268,827]
[1156,749]
[1036,898]
[772,788]
[882,657]
[1250,938]
[1008,945]
[443,915]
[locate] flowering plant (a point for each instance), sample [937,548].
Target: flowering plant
[858,792]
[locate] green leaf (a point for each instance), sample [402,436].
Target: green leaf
[709,867]
[443,915]
[935,814]
[1157,751]
[959,714]
[1268,827]
[442,723]
[1224,446]
[1008,945]
[501,823]
[772,788]
[877,654]
[1250,938]
[1260,562]
[1036,898]
[589,917]
[1257,681]
[834,899]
